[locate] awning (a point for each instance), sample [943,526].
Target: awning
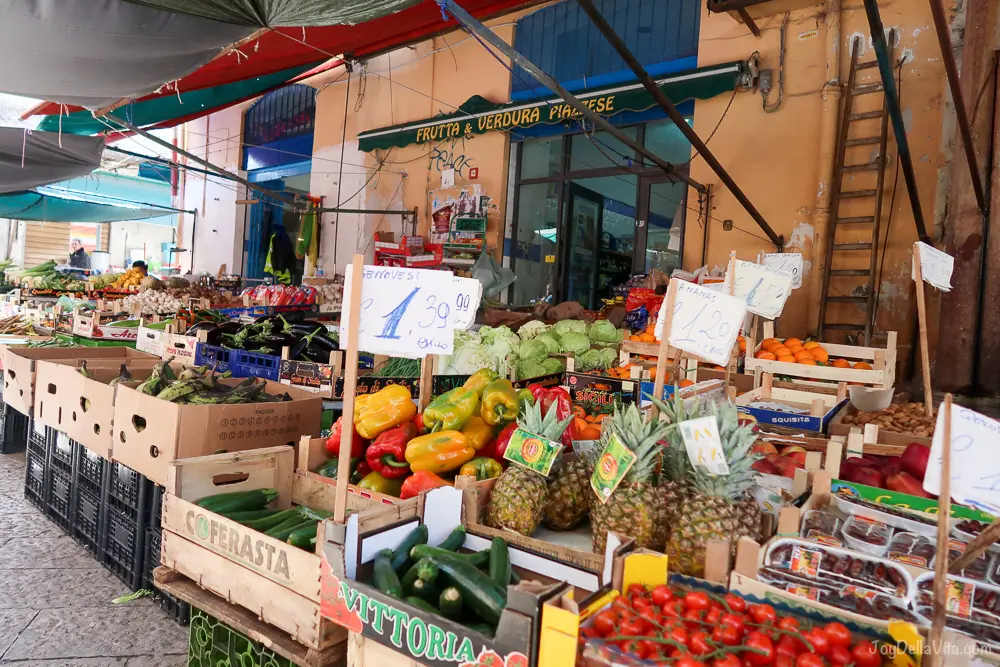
[478,116]
[56,205]
[284,12]
[29,158]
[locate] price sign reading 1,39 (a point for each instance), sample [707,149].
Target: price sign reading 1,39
[405,312]
[704,323]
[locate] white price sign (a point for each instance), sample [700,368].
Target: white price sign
[468,294]
[404,312]
[703,444]
[704,323]
[785,261]
[975,467]
[764,288]
[935,266]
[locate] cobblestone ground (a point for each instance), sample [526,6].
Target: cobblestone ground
[55,599]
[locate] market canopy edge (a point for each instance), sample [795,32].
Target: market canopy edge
[478,116]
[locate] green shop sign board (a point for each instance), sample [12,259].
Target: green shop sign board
[905,501]
[478,116]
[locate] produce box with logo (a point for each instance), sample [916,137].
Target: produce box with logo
[597,395]
[270,577]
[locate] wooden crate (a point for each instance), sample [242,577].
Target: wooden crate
[278,582]
[632,352]
[311,453]
[873,434]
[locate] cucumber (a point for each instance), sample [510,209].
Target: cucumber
[283,532]
[422,605]
[384,577]
[270,522]
[478,591]
[239,501]
[499,562]
[401,556]
[450,602]
[476,559]
[310,513]
[252,515]
[300,538]
[454,541]
[426,590]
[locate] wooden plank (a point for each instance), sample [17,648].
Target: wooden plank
[925,364]
[353,319]
[940,606]
[362,652]
[247,623]
[197,477]
[663,350]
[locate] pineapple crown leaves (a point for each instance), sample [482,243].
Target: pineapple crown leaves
[641,437]
[548,427]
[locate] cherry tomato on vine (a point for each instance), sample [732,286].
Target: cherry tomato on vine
[736,620]
[762,613]
[865,654]
[784,661]
[694,616]
[839,656]
[661,595]
[788,623]
[819,640]
[631,627]
[605,622]
[764,653]
[728,660]
[636,589]
[838,633]
[696,600]
[729,636]
[689,662]
[735,602]
[621,603]
[648,649]
[713,615]
[679,634]
[809,660]
[698,643]
[794,645]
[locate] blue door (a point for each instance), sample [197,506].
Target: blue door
[256,241]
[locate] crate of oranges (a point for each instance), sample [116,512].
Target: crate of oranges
[813,360]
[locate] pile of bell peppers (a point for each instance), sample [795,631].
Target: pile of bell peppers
[397,452]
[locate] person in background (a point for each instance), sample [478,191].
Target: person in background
[78,257]
[141,267]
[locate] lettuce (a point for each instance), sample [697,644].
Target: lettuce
[553,365]
[602,331]
[574,343]
[532,350]
[569,326]
[596,360]
[532,329]
[550,342]
[530,369]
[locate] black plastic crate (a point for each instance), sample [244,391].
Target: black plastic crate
[34,478]
[156,511]
[91,469]
[87,512]
[13,429]
[175,608]
[58,498]
[38,438]
[123,537]
[127,488]
[61,453]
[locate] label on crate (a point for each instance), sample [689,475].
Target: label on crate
[317,378]
[532,451]
[804,591]
[858,592]
[906,558]
[703,444]
[815,535]
[704,323]
[960,596]
[806,561]
[599,395]
[615,462]
[764,288]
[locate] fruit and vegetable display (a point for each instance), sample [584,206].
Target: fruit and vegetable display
[307,340]
[296,526]
[281,295]
[17,325]
[151,302]
[909,418]
[469,588]
[809,353]
[685,627]
[46,276]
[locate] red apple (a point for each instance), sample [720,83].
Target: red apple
[766,467]
[796,453]
[866,476]
[904,482]
[891,465]
[914,459]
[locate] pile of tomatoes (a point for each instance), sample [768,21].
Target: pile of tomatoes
[698,629]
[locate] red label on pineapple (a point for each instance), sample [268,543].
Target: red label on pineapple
[960,596]
[804,591]
[823,538]
[909,559]
[806,561]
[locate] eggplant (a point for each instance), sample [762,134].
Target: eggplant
[317,354]
[215,334]
[325,342]
[200,326]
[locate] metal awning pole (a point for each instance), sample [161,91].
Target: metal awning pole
[470,23]
[895,114]
[678,119]
[297,206]
[961,114]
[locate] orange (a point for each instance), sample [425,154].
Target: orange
[764,354]
[684,383]
[810,344]
[635,338]
[792,341]
[840,363]
[819,354]
[781,351]
[769,342]
[862,366]
[743,344]
[647,337]
[803,354]
[651,328]
[795,349]
[808,362]
[787,358]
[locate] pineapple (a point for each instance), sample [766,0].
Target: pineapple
[568,497]
[636,508]
[716,507]
[519,496]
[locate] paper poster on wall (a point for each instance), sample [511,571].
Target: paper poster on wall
[447,178]
[935,266]
[448,203]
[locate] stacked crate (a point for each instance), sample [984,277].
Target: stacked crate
[178,610]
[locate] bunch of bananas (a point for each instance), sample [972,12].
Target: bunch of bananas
[198,386]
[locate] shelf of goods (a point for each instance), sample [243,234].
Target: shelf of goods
[411,251]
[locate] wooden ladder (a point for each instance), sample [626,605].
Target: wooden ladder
[853,226]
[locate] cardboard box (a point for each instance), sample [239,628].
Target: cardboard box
[19,364]
[92,325]
[152,338]
[150,433]
[181,348]
[820,409]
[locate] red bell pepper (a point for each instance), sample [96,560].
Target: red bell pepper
[387,453]
[422,480]
[500,444]
[418,421]
[560,398]
[358,443]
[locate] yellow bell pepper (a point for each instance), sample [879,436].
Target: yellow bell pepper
[383,410]
[480,379]
[439,452]
[450,411]
[477,432]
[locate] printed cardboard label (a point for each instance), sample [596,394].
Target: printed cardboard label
[611,468]
[317,378]
[804,591]
[859,592]
[908,559]
[532,451]
[599,395]
[960,595]
[806,561]
[823,538]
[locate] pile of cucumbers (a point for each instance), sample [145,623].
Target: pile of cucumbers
[469,588]
[296,526]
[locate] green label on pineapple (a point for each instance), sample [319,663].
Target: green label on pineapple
[532,451]
[615,462]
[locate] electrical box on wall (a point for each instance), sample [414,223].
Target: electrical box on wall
[473,173]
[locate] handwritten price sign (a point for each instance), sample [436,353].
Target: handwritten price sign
[406,312]
[935,266]
[975,468]
[785,261]
[764,288]
[468,294]
[704,323]
[703,444]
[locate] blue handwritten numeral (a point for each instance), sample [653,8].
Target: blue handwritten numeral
[394,316]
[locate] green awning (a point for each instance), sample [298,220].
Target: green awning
[478,116]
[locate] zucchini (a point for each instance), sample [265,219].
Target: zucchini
[478,591]
[500,562]
[422,605]
[251,515]
[476,559]
[484,628]
[270,522]
[450,602]
[426,590]
[454,541]
[300,538]
[384,577]
[310,513]
[238,501]
[284,531]
[423,569]
[401,556]
[515,578]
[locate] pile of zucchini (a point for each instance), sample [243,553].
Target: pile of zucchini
[469,588]
[296,526]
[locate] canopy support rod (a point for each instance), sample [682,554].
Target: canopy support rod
[473,25]
[678,120]
[296,205]
[166,162]
[895,114]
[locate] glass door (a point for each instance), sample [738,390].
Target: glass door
[584,213]
[660,228]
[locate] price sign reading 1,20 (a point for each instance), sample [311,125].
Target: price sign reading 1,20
[405,312]
[704,323]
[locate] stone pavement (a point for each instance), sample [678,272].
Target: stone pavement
[55,599]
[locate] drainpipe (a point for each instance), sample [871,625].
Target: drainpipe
[829,124]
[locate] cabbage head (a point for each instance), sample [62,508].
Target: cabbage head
[529,369]
[602,331]
[550,341]
[532,350]
[531,329]
[574,343]
[569,326]
[553,365]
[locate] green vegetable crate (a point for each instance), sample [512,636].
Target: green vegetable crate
[500,622]
[212,643]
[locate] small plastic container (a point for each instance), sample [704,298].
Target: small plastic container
[968,530]
[867,536]
[978,570]
[823,527]
[911,549]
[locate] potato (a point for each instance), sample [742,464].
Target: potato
[567,310]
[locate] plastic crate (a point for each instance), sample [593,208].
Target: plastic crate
[13,429]
[127,489]
[254,364]
[213,356]
[156,507]
[87,513]
[90,469]
[177,610]
[38,438]
[211,642]
[123,537]
[34,478]
[61,453]
[59,497]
